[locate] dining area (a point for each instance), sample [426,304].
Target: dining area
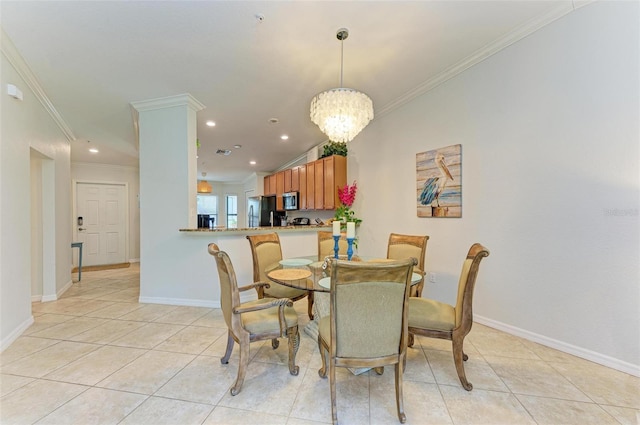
[364,313]
[99,355]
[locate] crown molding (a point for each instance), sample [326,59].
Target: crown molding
[22,68]
[184,99]
[478,56]
[103,165]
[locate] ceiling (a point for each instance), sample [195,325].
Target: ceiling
[93,59]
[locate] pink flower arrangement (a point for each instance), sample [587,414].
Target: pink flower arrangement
[347,196]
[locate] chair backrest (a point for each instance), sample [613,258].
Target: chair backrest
[406,246]
[467,283]
[229,293]
[368,307]
[265,251]
[326,245]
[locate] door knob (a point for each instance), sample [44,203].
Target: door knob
[81,229]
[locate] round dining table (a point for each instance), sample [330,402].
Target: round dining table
[309,274]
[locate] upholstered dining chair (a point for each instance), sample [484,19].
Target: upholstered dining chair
[434,319]
[367,324]
[266,252]
[405,246]
[254,320]
[326,245]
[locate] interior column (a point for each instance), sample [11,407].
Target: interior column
[168,178]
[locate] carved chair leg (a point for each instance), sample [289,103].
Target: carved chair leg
[227,353]
[458,361]
[416,290]
[293,336]
[332,386]
[310,304]
[411,340]
[399,396]
[275,343]
[323,370]
[244,362]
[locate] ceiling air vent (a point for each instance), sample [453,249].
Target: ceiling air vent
[224,152]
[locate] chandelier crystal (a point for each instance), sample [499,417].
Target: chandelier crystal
[341,113]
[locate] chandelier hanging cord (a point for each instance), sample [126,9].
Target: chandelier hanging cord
[342,35]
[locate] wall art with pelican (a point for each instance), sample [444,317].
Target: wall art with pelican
[439,182]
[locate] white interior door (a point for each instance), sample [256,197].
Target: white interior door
[103,226]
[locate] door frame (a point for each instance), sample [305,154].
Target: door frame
[74,225]
[43,248]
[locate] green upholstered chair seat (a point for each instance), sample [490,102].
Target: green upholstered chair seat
[266,320]
[430,314]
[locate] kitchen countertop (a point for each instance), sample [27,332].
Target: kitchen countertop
[243,230]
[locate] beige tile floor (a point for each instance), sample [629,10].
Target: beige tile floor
[97,356]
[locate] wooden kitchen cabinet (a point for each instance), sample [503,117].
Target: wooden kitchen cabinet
[316,183]
[287,180]
[335,176]
[311,190]
[302,180]
[270,184]
[279,190]
[319,184]
[295,179]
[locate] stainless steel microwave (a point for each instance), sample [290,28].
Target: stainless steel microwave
[290,201]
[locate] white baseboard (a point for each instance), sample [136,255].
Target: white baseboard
[583,353]
[194,303]
[57,295]
[36,298]
[64,288]
[134,260]
[6,342]
[47,298]
[180,301]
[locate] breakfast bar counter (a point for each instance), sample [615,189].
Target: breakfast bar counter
[183,273]
[256,230]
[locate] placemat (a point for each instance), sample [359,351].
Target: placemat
[289,274]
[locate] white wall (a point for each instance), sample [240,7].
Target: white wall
[550,154]
[27,124]
[82,171]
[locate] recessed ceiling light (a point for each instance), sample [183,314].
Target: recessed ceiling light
[211,123]
[284,137]
[237,146]
[93,150]
[252,162]
[273,120]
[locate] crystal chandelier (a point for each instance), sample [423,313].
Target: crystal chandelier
[341,113]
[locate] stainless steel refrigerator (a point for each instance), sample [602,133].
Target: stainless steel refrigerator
[253,211]
[268,214]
